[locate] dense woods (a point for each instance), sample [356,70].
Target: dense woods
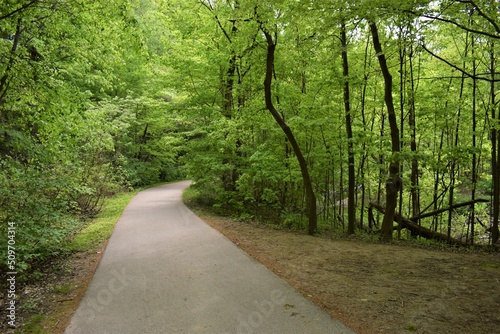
[375,116]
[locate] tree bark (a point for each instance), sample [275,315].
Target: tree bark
[414,179]
[393,183]
[454,160]
[351,209]
[310,196]
[474,143]
[495,151]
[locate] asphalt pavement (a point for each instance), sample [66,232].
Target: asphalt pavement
[164,271]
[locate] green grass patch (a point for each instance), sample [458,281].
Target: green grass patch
[34,326]
[411,327]
[100,228]
[62,288]
[190,194]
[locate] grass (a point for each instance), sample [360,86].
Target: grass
[411,328]
[62,288]
[100,228]
[90,239]
[34,326]
[189,195]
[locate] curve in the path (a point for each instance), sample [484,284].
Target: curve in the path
[165,271]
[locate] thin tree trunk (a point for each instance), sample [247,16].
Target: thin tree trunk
[495,151]
[365,154]
[437,181]
[474,144]
[439,158]
[310,196]
[351,209]
[340,190]
[393,183]
[402,89]
[414,191]
[455,145]
[381,162]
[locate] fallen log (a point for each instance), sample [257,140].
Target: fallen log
[419,230]
[459,205]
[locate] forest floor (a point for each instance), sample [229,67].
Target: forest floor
[370,286]
[45,305]
[379,288]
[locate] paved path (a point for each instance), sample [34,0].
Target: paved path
[164,271]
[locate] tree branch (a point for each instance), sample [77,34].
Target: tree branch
[3,81]
[211,9]
[458,68]
[18,10]
[461,26]
[481,13]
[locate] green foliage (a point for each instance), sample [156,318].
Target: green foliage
[38,202]
[240,159]
[95,99]
[99,229]
[35,325]
[82,117]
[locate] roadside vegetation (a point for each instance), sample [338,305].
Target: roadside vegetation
[51,293]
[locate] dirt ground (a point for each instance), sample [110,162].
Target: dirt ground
[46,305]
[370,286]
[380,288]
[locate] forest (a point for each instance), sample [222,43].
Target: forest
[359,116]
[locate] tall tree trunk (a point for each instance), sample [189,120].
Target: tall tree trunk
[393,182]
[310,196]
[455,144]
[351,209]
[414,191]
[381,162]
[437,221]
[474,143]
[365,128]
[495,150]
[437,181]
[402,88]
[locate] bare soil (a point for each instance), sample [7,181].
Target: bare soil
[46,305]
[371,287]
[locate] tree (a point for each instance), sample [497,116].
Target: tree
[348,125]
[311,198]
[393,182]
[73,129]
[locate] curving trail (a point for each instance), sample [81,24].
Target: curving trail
[165,271]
